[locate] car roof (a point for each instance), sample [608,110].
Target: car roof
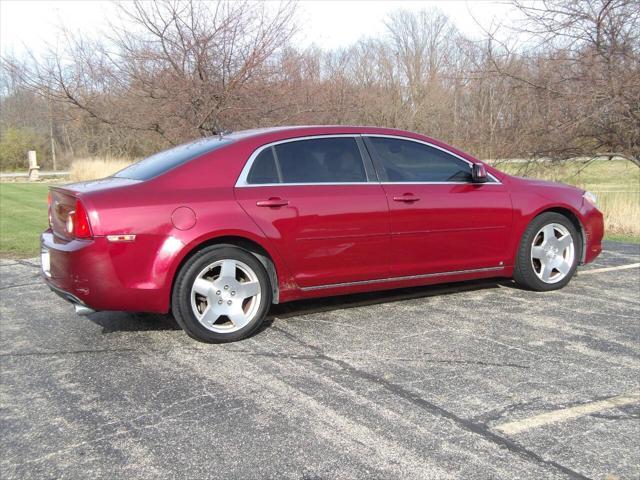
[261,136]
[310,130]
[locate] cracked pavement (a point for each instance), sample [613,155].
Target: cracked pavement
[412,383]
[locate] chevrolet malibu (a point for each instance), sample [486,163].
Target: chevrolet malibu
[217,230]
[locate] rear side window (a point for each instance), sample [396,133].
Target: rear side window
[321,160]
[407,161]
[164,161]
[264,169]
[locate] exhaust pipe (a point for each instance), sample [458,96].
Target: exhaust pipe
[82,310]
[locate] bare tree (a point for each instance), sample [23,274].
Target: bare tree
[583,70]
[174,68]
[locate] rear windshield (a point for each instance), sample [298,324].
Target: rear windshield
[164,161]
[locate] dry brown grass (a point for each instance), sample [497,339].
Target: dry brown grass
[94,168]
[621,212]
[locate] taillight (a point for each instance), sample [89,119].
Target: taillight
[78,222]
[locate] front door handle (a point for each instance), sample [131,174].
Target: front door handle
[407,198]
[273,202]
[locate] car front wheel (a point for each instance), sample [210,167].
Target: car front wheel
[549,253]
[221,294]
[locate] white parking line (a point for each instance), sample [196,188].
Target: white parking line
[565,414]
[609,269]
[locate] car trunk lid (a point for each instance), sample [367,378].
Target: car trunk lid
[63,199]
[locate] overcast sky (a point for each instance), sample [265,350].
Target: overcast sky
[327,23]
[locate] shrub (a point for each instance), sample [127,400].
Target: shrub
[14,145]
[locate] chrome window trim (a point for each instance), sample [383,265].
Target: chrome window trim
[244,174]
[242,179]
[497,182]
[318,184]
[449,152]
[277,162]
[400,279]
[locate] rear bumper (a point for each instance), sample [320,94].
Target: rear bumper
[69,297]
[80,307]
[102,276]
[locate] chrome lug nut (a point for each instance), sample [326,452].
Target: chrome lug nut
[218,292]
[226,287]
[233,292]
[229,302]
[219,302]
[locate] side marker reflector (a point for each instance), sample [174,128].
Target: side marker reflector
[121,238]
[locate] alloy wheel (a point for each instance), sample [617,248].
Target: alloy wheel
[225,296]
[552,253]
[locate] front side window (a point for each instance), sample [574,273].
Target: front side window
[318,160]
[407,161]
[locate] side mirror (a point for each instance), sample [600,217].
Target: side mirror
[479,173]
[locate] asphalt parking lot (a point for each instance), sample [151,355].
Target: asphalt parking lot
[475,380]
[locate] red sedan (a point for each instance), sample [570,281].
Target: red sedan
[217,230]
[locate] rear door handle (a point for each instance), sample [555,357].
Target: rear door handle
[407,197]
[273,202]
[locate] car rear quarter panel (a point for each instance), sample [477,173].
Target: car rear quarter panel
[205,186]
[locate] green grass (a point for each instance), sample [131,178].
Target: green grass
[23,216]
[616,237]
[599,176]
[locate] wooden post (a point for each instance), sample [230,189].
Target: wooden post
[34,169]
[53,143]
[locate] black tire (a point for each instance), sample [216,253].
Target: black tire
[524,273]
[181,297]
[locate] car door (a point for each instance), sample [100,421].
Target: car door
[314,200]
[440,220]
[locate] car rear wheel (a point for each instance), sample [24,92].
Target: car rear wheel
[549,253]
[221,294]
